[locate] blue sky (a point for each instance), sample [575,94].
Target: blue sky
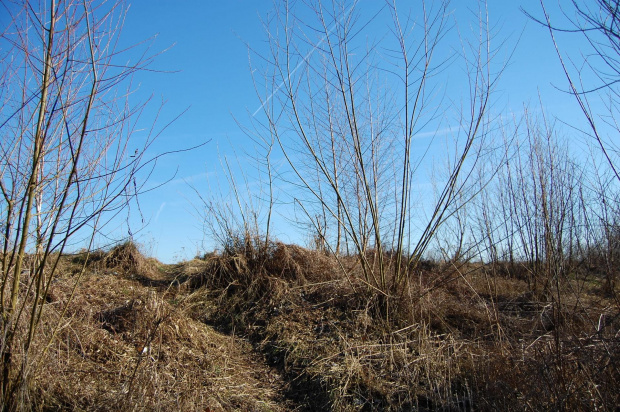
[209,80]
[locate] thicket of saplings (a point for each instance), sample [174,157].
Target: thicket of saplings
[509,301]
[523,314]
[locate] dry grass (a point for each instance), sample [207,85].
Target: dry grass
[285,329]
[459,338]
[125,344]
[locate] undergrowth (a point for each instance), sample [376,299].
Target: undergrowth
[287,328]
[458,338]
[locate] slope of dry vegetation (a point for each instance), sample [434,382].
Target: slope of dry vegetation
[281,328]
[521,310]
[464,338]
[129,340]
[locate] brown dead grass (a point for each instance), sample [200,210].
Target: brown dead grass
[124,345]
[458,338]
[284,328]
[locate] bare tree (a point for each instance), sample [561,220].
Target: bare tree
[593,77]
[65,127]
[345,113]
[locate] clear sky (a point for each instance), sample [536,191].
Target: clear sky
[211,83]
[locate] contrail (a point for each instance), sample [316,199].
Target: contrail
[304,60]
[161,207]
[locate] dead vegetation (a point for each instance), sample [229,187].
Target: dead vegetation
[118,343]
[469,341]
[283,328]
